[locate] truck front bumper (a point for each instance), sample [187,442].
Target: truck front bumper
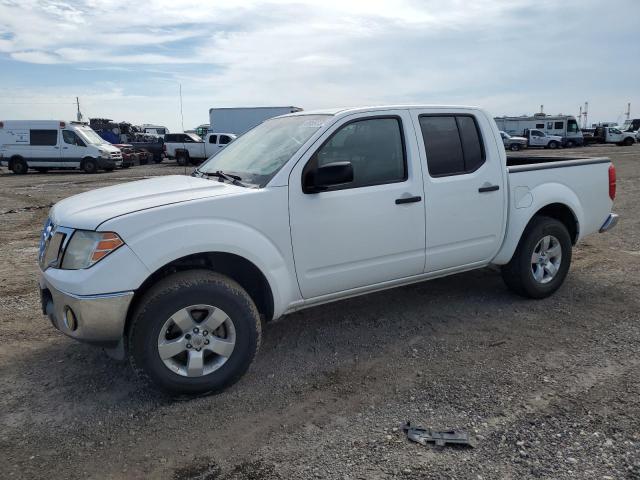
[609,223]
[96,319]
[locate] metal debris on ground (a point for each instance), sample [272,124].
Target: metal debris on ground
[440,438]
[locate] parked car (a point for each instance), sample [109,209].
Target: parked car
[537,138]
[190,148]
[513,143]
[133,156]
[43,145]
[180,272]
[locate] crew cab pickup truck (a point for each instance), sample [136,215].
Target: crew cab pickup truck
[537,138]
[190,148]
[611,135]
[179,272]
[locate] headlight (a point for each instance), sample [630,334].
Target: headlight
[105,154]
[87,248]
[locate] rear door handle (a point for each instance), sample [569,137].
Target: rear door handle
[491,188]
[400,201]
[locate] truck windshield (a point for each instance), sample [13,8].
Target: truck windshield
[90,136]
[572,126]
[257,155]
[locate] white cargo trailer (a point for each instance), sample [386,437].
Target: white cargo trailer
[565,126]
[240,120]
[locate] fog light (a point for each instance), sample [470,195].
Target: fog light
[70,319]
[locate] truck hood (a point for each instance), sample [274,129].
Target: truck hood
[88,210]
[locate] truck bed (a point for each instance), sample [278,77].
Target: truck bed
[523,164]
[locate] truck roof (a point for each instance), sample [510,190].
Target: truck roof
[349,110]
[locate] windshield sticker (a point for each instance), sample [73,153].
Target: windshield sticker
[312,123]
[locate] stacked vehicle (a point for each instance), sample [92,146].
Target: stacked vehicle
[146,141]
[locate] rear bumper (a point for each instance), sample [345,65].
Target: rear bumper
[609,223]
[96,319]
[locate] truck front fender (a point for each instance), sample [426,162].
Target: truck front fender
[165,242]
[525,203]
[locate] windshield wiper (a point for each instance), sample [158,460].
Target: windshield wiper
[229,177]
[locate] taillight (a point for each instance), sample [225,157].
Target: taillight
[612,182]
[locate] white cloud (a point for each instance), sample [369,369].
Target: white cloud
[506,56]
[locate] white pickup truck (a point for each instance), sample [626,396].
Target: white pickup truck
[179,272]
[537,138]
[190,148]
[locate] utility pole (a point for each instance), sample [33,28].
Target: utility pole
[628,114]
[78,115]
[580,115]
[586,114]
[542,109]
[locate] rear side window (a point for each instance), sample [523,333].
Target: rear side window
[213,139]
[44,137]
[559,126]
[452,143]
[539,125]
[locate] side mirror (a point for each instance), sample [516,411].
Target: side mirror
[326,176]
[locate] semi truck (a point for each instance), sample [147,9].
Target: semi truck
[241,120]
[564,126]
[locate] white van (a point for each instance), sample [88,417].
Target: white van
[46,144]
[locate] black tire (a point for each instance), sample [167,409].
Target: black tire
[518,273]
[628,142]
[89,165]
[147,157]
[553,145]
[19,166]
[569,144]
[181,290]
[109,169]
[514,147]
[182,158]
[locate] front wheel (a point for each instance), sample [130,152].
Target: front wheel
[628,142]
[569,144]
[194,332]
[19,166]
[515,147]
[541,261]
[182,158]
[553,145]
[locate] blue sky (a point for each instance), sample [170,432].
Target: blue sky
[126,60]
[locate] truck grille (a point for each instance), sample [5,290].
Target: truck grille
[53,240]
[116,155]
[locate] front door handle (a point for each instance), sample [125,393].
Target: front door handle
[491,188]
[400,201]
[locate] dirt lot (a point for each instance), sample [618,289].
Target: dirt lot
[551,387]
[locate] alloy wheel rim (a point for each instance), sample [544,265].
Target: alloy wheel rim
[546,259]
[196,340]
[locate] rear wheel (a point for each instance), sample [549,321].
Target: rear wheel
[569,144]
[194,332]
[553,145]
[628,142]
[90,165]
[182,158]
[515,147]
[541,261]
[19,166]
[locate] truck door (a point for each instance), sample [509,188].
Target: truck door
[74,149]
[465,199]
[537,138]
[366,231]
[45,150]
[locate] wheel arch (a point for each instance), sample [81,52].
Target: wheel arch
[564,206]
[236,267]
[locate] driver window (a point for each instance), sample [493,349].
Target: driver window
[374,147]
[72,138]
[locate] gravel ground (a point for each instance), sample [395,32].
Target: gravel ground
[551,388]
